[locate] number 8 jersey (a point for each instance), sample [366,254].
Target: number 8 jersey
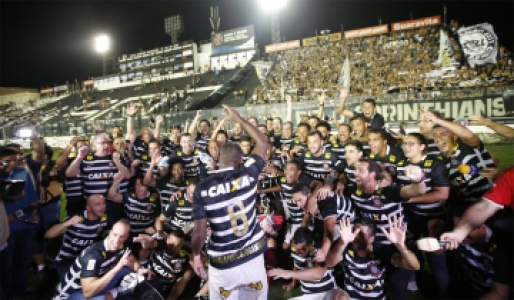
[227,199]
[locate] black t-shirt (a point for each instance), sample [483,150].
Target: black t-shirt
[377,121]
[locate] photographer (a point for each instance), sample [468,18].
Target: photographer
[23,217]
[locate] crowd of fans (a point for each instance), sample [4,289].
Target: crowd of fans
[343,212]
[398,62]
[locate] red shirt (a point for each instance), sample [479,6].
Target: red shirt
[502,192]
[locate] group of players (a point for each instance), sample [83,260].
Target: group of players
[340,215]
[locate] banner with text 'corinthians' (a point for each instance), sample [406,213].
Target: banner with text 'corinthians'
[498,107]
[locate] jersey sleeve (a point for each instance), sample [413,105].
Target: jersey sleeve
[392,194]
[502,192]
[254,165]
[439,174]
[170,211]
[502,264]
[328,207]
[199,211]
[90,262]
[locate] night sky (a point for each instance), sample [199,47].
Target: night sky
[44,43]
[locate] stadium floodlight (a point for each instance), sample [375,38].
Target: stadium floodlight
[273,5]
[102,45]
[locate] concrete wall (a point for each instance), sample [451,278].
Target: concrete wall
[18,98]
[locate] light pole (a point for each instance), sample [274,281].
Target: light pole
[102,45]
[274,7]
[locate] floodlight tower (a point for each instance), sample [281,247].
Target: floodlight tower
[215,19]
[174,26]
[102,45]
[274,7]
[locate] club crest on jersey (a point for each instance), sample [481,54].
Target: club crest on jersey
[376,202]
[373,269]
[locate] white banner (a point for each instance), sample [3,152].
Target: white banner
[446,58]
[479,44]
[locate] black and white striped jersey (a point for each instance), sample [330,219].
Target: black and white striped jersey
[141,213]
[297,143]
[73,186]
[349,172]
[468,187]
[335,206]
[364,277]
[338,149]
[327,283]
[143,167]
[480,265]
[227,200]
[282,143]
[379,206]
[97,173]
[432,148]
[318,167]
[168,186]
[125,182]
[202,141]
[79,236]
[191,162]
[94,261]
[436,175]
[169,268]
[390,160]
[139,147]
[169,147]
[178,213]
[295,214]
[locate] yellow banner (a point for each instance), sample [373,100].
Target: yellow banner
[312,41]
[333,37]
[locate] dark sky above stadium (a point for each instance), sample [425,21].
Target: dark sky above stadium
[48,42]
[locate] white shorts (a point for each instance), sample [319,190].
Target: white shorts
[247,281]
[318,296]
[290,230]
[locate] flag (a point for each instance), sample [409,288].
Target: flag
[446,58]
[344,78]
[479,44]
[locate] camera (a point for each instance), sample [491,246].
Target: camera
[10,188]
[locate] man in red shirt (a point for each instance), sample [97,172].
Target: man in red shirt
[499,196]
